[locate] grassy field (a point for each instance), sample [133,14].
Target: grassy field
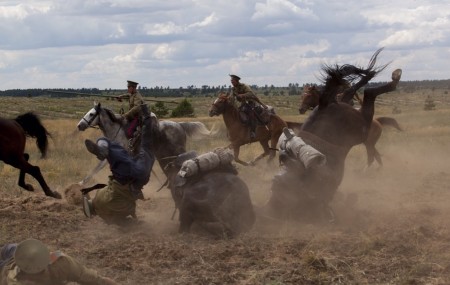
[68,160]
[395,232]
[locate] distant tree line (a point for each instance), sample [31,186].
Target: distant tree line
[204,90]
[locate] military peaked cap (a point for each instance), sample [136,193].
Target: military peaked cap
[235,77]
[132,83]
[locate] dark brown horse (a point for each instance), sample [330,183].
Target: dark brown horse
[12,146]
[333,128]
[216,199]
[310,100]
[238,132]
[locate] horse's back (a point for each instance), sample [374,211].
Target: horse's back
[329,123]
[12,138]
[228,197]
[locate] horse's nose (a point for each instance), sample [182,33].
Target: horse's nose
[81,127]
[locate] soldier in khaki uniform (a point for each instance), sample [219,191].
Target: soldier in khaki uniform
[242,93]
[116,202]
[135,100]
[30,262]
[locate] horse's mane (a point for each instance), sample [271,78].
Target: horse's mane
[335,76]
[111,115]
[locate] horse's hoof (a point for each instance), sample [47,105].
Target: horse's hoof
[54,194]
[29,187]
[396,74]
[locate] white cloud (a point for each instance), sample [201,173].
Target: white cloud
[100,43]
[279,9]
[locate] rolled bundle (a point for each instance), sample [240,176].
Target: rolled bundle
[297,148]
[206,162]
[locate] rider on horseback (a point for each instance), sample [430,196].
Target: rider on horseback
[249,101]
[135,100]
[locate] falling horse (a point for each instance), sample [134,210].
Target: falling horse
[12,147]
[169,140]
[239,133]
[311,100]
[333,128]
[217,199]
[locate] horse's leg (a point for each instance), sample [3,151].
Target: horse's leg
[27,168]
[265,146]
[236,150]
[22,173]
[370,149]
[378,157]
[370,94]
[372,138]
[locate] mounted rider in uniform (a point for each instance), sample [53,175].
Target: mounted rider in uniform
[248,103]
[133,115]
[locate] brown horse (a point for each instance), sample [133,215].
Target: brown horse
[238,132]
[311,99]
[12,147]
[333,128]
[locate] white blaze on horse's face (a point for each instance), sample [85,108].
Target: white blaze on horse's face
[90,119]
[213,110]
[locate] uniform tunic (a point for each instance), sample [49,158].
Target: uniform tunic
[61,270]
[135,100]
[241,88]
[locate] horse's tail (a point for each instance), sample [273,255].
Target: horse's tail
[33,127]
[195,129]
[388,121]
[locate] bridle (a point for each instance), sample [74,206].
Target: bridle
[97,113]
[89,122]
[218,110]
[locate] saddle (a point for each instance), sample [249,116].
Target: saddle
[257,112]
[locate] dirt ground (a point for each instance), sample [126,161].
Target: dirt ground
[392,228]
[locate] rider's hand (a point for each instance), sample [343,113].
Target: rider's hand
[119,99]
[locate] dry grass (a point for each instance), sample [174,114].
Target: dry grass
[392,224]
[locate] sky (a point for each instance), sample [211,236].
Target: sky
[179,43]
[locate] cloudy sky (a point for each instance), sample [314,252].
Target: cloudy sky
[176,43]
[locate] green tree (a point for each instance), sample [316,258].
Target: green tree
[184,109]
[160,109]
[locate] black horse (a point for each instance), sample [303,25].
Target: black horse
[333,128]
[12,148]
[218,200]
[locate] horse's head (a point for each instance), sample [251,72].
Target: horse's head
[310,99]
[97,116]
[219,105]
[90,119]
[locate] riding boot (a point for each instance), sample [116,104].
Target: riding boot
[99,149]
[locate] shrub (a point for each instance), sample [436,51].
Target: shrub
[160,109]
[184,109]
